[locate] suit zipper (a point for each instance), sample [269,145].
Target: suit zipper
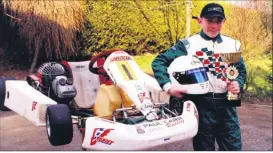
[213,44]
[214,81]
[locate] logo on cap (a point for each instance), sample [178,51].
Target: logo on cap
[215,9]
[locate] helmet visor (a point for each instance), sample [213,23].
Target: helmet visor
[193,76]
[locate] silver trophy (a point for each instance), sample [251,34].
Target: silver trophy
[231,72]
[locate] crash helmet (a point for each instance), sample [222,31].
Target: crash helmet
[189,72]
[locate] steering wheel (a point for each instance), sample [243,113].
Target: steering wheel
[100,70]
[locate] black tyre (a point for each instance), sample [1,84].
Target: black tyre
[176,105]
[30,82]
[3,92]
[59,124]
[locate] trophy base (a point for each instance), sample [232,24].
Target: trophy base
[232,96]
[233,103]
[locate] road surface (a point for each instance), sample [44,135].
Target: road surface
[16,133]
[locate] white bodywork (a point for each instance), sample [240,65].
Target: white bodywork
[23,97]
[87,85]
[103,134]
[27,101]
[126,74]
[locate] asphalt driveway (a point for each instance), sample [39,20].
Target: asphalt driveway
[16,133]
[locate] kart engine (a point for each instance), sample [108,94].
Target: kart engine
[56,83]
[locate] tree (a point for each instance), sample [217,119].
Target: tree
[136,26]
[246,25]
[245,21]
[47,26]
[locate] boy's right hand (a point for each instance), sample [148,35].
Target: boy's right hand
[177,91]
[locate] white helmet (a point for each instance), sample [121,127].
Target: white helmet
[189,72]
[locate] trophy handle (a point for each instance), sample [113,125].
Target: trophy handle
[230,57]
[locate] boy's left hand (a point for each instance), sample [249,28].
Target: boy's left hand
[233,87]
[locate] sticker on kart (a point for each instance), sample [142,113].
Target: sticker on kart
[100,136]
[120,58]
[158,125]
[126,70]
[142,97]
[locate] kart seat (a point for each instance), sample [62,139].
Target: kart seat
[86,83]
[108,100]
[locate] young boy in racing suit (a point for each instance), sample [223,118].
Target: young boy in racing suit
[218,119]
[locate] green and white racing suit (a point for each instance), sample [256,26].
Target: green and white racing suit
[218,117]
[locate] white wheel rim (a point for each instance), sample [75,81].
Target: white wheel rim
[48,125]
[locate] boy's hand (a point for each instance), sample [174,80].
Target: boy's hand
[233,87]
[177,91]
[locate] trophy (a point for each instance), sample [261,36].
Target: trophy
[231,72]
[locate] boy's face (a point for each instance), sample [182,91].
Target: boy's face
[211,26]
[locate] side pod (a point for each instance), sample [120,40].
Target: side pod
[26,101]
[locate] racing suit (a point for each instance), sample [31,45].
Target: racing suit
[218,117]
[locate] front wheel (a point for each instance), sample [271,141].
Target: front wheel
[3,92]
[59,124]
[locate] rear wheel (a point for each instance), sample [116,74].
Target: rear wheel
[59,124]
[3,92]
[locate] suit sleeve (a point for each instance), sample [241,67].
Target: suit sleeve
[240,65]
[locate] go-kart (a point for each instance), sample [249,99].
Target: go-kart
[116,104]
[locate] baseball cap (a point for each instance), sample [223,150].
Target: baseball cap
[213,10]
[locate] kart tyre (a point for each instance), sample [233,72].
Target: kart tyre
[176,105]
[3,92]
[59,124]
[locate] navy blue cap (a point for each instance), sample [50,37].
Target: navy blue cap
[213,10]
